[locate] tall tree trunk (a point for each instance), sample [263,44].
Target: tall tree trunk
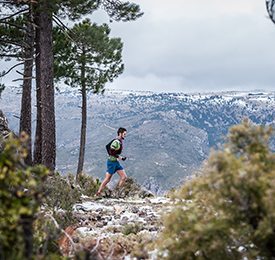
[84,121]
[26,109]
[46,86]
[37,154]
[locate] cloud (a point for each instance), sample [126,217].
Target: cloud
[195,45]
[207,44]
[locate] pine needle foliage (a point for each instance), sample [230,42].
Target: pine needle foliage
[89,61]
[229,211]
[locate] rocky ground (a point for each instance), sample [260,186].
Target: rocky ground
[115,228]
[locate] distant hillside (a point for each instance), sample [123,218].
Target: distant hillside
[169,134]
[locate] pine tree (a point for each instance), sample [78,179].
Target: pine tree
[88,62]
[17,42]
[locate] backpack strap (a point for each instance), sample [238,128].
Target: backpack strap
[117,152]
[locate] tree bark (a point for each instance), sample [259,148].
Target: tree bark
[46,87]
[37,154]
[26,106]
[84,120]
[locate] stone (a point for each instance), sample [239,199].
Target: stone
[153,228]
[134,209]
[117,216]
[124,220]
[118,209]
[142,214]
[145,194]
[99,225]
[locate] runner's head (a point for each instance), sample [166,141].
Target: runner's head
[121,132]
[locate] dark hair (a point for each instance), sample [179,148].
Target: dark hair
[121,130]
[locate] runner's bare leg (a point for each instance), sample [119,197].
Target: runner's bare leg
[123,177]
[106,180]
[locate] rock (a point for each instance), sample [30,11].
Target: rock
[153,228]
[145,194]
[76,239]
[105,223]
[124,220]
[134,209]
[92,218]
[99,224]
[117,216]
[108,218]
[142,214]
[152,184]
[118,209]
[147,219]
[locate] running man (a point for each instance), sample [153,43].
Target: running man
[113,164]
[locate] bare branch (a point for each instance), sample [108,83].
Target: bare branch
[20,73]
[67,28]
[26,59]
[64,31]
[22,11]
[23,79]
[21,63]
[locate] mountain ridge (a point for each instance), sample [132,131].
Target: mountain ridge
[169,134]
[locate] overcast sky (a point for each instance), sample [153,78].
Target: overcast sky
[196,46]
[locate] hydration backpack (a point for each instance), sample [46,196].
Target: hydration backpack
[118,151]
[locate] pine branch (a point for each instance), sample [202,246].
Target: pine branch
[21,63]
[92,68]
[15,43]
[269,5]
[15,25]
[9,55]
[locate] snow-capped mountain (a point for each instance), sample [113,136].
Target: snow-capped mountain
[168,137]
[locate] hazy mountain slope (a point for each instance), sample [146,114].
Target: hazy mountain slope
[168,137]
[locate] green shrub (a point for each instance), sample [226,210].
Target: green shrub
[19,200]
[46,236]
[130,188]
[59,194]
[60,198]
[88,185]
[132,229]
[228,212]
